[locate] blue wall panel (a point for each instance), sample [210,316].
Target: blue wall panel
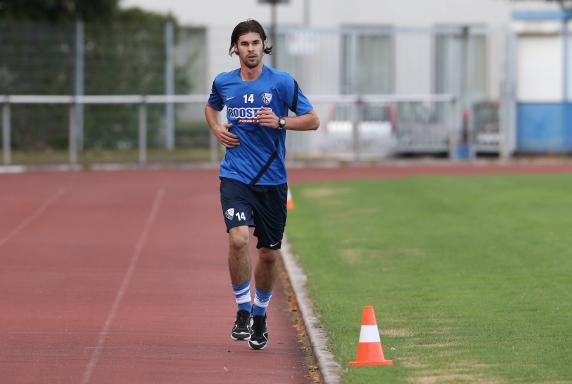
[544,127]
[568,126]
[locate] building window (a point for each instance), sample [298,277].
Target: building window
[449,56]
[367,57]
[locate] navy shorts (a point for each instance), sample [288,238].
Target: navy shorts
[260,206]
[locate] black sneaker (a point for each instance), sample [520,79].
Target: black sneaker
[241,328]
[259,335]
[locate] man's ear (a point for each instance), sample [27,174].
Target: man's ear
[235,49]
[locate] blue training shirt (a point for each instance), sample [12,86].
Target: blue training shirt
[274,89]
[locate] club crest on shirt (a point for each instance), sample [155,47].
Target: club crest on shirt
[266,98]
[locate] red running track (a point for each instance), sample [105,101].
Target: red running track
[121,277]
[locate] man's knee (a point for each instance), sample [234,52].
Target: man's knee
[238,238]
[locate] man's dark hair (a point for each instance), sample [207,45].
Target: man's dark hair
[245,27]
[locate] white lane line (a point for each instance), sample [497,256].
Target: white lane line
[122,289]
[51,200]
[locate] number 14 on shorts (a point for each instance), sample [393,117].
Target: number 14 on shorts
[239,215]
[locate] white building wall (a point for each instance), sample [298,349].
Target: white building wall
[427,13]
[219,17]
[540,69]
[413,70]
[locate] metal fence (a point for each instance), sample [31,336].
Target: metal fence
[358,128]
[379,91]
[475,65]
[99,59]
[375,127]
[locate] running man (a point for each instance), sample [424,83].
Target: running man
[253,186]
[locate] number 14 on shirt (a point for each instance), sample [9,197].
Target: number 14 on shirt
[249,98]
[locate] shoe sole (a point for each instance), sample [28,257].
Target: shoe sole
[245,338]
[257,347]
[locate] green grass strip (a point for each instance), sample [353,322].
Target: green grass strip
[470,277]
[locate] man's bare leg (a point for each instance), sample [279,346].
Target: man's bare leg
[239,268]
[265,270]
[238,260]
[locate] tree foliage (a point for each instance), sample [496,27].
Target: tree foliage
[58,10]
[123,53]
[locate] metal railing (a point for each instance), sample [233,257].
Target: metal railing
[356,126]
[73,101]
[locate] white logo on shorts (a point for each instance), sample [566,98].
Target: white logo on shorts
[229,213]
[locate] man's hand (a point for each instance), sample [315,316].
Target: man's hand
[267,118]
[229,140]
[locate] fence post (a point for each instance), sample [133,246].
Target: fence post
[169,86]
[508,120]
[565,59]
[79,79]
[358,115]
[6,140]
[213,148]
[452,121]
[213,144]
[143,131]
[72,135]
[466,132]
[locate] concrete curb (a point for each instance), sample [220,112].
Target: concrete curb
[330,370]
[293,164]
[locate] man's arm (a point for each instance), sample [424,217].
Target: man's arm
[306,122]
[229,140]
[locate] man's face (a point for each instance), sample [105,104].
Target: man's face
[249,49]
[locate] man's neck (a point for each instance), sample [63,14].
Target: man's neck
[250,74]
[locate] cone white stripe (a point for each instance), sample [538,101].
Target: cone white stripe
[369,334]
[243,299]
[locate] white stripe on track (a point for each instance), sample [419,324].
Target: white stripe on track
[51,200]
[122,288]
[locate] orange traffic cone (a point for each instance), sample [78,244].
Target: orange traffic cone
[369,350]
[289,201]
